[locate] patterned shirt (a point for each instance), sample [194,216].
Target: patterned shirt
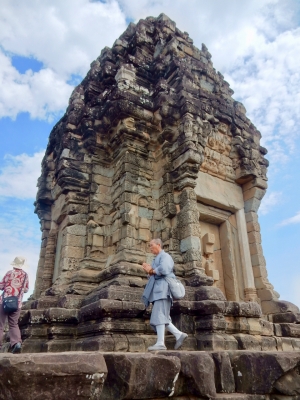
[12,283]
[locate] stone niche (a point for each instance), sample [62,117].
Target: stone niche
[153,145]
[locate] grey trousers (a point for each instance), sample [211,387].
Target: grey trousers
[14,330]
[160,314]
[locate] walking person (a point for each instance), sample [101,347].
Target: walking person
[157,291]
[14,283]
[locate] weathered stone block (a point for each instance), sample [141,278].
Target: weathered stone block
[188,217]
[98,241]
[190,243]
[267,328]
[95,344]
[255,248]
[145,213]
[196,374]
[45,302]
[209,293]
[129,376]
[251,217]
[102,180]
[190,230]
[184,322]
[254,192]
[255,183]
[216,192]
[100,170]
[248,342]
[268,343]
[190,156]
[117,235]
[278,306]
[70,301]
[243,309]
[289,383]
[192,255]
[136,344]
[72,208]
[290,330]
[60,376]
[257,372]
[252,205]
[288,317]
[74,252]
[216,342]
[255,327]
[61,315]
[250,309]
[120,342]
[260,272]
[69,264]
[253,226]
[296,344]
[254,237]
[79,230]
[205,307]
[144,234]
[223,373]
[210,323]
[286,344]
[73,240]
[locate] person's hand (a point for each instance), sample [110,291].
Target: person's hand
[147,267]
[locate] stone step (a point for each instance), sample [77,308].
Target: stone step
[91,263]
[208,307]
[181,375]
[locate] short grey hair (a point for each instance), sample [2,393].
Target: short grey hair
[157,241]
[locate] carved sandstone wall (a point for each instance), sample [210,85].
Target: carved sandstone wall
[153,145]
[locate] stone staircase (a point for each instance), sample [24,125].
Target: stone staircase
[112,318]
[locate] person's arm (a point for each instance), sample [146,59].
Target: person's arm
[26,285]
[3,282]
[165,264]
[148,269]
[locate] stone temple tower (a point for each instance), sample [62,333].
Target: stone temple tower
[153,145]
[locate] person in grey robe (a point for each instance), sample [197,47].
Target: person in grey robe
[157,292]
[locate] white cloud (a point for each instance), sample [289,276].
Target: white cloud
[270,200]
[293,220]
[268,84]
[65,35]
[19,176]
[43,94]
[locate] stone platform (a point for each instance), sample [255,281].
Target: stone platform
[225,375]
[113,319]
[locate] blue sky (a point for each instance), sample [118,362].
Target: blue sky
[46,48]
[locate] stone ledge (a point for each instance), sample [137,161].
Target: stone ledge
[181,375]
[58,376]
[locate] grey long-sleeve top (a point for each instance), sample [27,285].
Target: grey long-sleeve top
[163,264]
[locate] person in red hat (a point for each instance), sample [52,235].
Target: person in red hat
[14,283]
